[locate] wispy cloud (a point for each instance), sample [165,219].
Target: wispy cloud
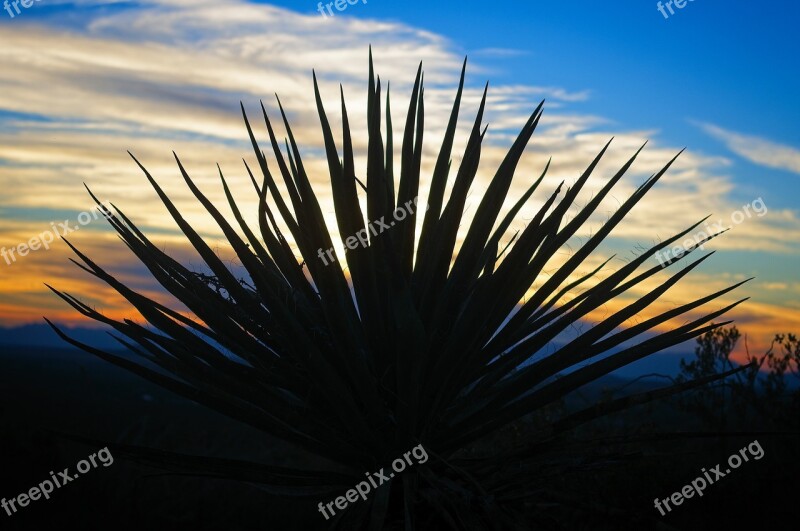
[157,75]
[756,149]
[500,52]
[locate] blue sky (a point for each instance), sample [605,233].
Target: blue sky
[86,80]
[734,65]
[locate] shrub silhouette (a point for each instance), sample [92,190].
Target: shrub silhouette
[427,343]
[750,399]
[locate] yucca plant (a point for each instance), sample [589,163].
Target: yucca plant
[427,342]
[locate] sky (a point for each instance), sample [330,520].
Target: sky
[84,81]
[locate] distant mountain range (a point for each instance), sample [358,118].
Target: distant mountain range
[42,336]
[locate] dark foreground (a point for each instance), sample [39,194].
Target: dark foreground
[45,394]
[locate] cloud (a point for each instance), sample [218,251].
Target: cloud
[82,86]
[756,149]
[500,52]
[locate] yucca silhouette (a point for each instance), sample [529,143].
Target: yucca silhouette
[427,344]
